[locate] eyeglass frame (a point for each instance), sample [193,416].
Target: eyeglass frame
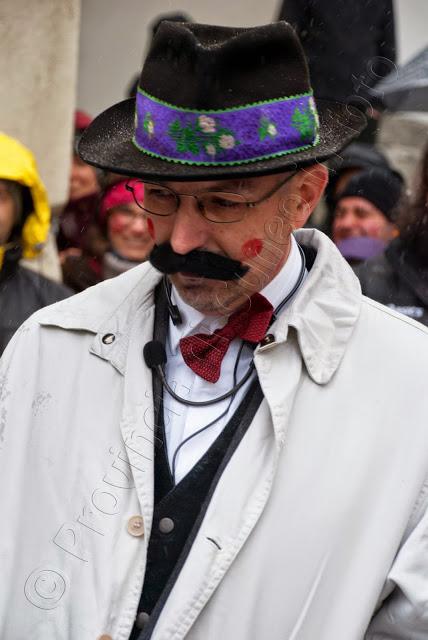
[201,210]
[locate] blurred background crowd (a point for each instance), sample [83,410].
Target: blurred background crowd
[375,208]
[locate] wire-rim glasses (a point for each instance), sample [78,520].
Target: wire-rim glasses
[221,207]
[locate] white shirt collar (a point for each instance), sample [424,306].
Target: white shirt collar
[278,289]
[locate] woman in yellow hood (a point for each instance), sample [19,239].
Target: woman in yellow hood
[17,164]
[24,227]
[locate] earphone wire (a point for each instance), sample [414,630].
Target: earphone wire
[193,435]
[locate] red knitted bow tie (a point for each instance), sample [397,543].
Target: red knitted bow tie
[204,353]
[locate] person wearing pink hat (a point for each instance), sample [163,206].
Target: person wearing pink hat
[129,232]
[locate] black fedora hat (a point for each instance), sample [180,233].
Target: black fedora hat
[219,102]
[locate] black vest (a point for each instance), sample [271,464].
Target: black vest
[180,509]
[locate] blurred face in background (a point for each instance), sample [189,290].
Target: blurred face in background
[7,213]
[355,217]
[83,179]
[128,232]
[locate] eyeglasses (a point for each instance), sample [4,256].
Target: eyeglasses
[221,207]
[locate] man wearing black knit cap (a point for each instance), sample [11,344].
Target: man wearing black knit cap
[225,442]
[398,277]
[366,211]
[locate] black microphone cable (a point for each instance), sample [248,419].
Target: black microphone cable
[235,371]
[155,357]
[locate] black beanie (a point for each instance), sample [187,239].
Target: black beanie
[381,187]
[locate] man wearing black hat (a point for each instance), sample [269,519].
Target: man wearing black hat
[238,450]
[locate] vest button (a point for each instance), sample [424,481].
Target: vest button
[109,338]
[105,636]
[136,526]
[141,620]
[166,525]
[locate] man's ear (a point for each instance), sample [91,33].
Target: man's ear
[310,185]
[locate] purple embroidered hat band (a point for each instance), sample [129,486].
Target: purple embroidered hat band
[225,137]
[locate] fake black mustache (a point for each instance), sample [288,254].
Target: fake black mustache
[201,263]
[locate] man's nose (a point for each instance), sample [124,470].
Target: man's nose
[191,229]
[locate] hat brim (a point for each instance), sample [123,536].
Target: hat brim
[107,144]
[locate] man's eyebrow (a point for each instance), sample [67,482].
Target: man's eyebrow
[361,209]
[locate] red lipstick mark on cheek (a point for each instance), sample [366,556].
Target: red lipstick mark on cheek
[151,228]
[116,225]
[252,248]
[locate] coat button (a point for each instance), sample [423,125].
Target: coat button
[267,342]
[166,525]
[141,620]
[136,526]
[109,338]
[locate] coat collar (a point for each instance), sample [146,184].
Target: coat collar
[323,313]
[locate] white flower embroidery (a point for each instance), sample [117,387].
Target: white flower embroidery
[272,130]
[226,142]
[210,149]
[207,124]
[150,128]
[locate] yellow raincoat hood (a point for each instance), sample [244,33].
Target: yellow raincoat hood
[17,163]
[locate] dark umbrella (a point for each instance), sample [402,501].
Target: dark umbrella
[406,88]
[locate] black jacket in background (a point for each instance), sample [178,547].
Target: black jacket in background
[341,39]
[21,293]
[395,280]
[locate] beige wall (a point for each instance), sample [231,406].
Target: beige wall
[38,70]
[114,34]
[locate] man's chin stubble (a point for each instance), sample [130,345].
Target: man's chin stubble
[221,299]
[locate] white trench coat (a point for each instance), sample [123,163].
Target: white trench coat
[318,528]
